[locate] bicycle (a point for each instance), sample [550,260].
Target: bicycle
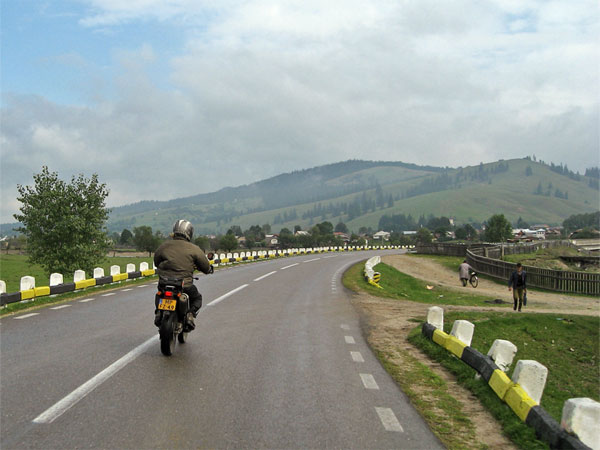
[473,279]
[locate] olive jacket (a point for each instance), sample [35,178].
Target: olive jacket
[179,258]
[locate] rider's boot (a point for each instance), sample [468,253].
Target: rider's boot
[190,324]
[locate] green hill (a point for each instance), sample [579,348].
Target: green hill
[360,192]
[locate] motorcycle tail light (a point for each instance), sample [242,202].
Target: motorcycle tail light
[168,294]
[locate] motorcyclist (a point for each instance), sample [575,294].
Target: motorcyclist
[179,258]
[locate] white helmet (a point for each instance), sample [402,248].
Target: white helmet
[183,228]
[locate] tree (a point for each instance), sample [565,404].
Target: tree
[424,236]
[341,228]
[126,237]
[228,242]
[498,229]
[203,242]
[144,240]
[64,223]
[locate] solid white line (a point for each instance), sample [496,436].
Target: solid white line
[389,420]
[85,300]
[369,381]
[224,296]
[70,400]
[265,276]
[349,340]
[311,260]
[26,316]
[108,295]
[357,357]
[61,307]
[287,267]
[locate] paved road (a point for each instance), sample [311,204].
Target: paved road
[277,361]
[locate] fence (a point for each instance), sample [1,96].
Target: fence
[581,416]
[485,259]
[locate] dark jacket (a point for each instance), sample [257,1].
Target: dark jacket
[513,281]
[179,258]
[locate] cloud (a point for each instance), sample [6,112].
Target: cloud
[263,87]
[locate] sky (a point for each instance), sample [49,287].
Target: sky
[170,98]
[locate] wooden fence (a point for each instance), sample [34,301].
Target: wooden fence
[484,258]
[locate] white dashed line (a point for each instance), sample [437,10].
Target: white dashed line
[327,257]
[26,316]
[108,295]
[349,340]
[368,381]
[224,296]
[265,276]
[142,286]
[311,260]
[357,357]
[128,289]
[85,300]
[287,267]
[389,420]
[61,307]
[344,326]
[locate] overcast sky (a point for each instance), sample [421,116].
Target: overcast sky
[166,99]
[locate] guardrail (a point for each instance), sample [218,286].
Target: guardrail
[581,416]
[29,291]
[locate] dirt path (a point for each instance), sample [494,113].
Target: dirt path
[388,323]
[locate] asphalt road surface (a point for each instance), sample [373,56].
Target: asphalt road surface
[277,360]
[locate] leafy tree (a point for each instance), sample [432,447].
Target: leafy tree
[236,230]
[64,222]
[498,229]
[341,228]
[228,242]
[126,237]
[423,236]
[521,223]
[577,221]
[144,240]
[203,242]
[461,233]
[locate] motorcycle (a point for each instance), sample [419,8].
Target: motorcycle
[173,306]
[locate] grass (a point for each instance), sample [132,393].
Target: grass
[549,258]
[13,267]
[567,345]
[399,286]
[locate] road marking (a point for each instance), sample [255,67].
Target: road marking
[265,276]
[61,307]
[311,260]
[108,295]
[357,357]
[369,381]
[26,316]
[85,300]
[327,257]
[287,267]
[344,326]
[128,289]
[142,285]
[349,340]
[224,296]
[389,420]
[59,408]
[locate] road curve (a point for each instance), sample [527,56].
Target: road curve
[277,361]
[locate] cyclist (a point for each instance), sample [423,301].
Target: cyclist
[179,258]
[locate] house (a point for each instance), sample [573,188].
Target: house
[272,241]
[301,233]
[344,237]
[382,235]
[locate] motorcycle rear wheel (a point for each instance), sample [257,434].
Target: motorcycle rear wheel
[167,335]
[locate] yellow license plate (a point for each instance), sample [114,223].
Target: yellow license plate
[167,304]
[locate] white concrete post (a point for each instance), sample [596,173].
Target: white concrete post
[115,270]
[143,266]
[56,279]
[27,283]
[222,256]
[582,417]
[531,376]
[236,255]
[502,353]
[98,272]
[79,275]
[2,287]
[229,255]
[130,267]
[435,316]
[463,331]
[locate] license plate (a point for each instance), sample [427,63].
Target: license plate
[167,304]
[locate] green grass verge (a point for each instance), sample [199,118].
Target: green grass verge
[13,267]
[399,286]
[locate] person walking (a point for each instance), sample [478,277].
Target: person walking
[518,284]
[464,271]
